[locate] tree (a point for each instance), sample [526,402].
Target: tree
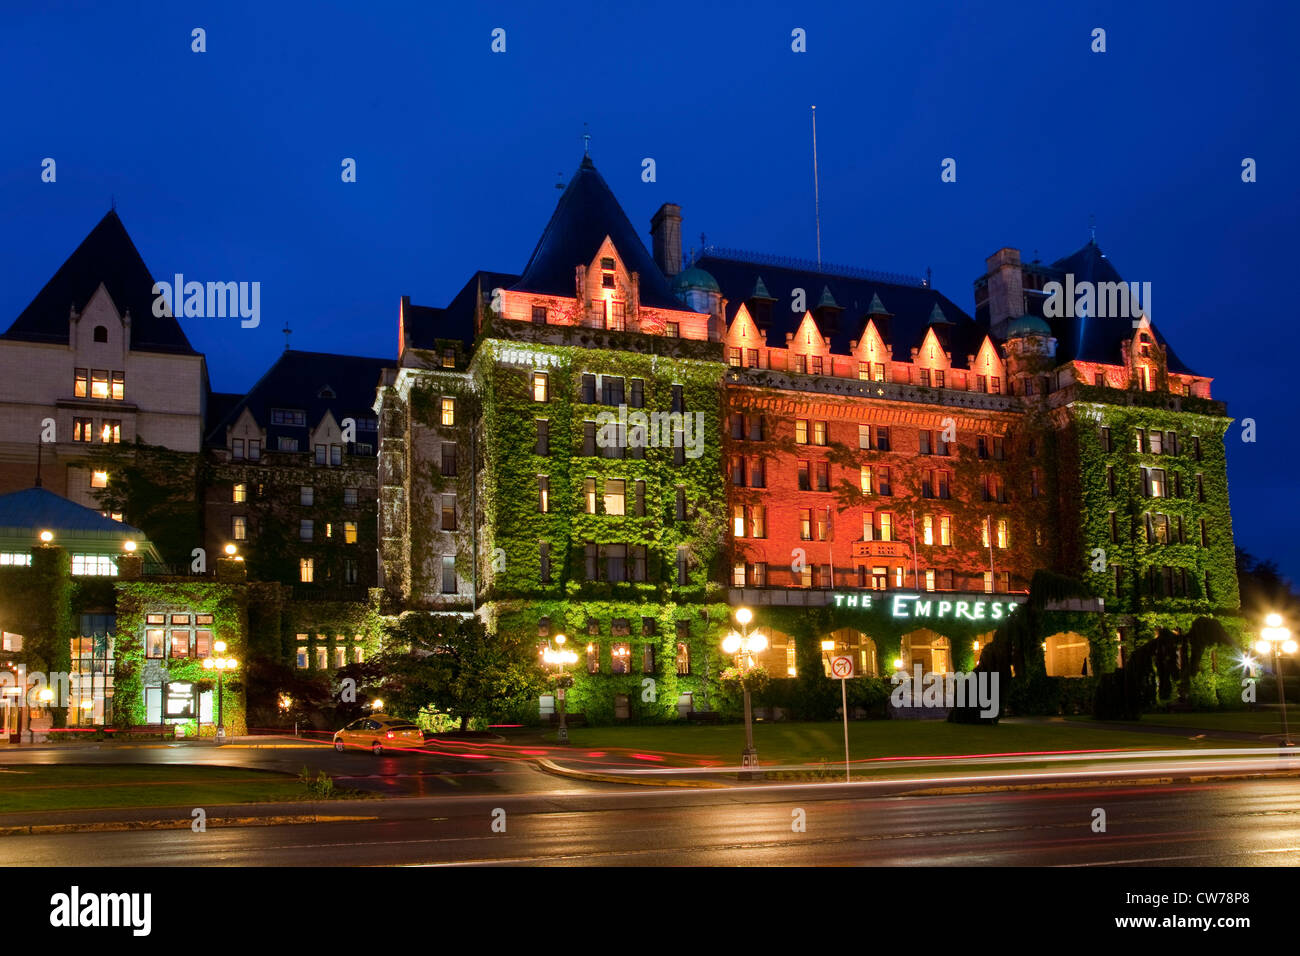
[1264,589]
[452,663]
[1152,672]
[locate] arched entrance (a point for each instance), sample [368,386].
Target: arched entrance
[930,649]
[853,643]
[1066,655]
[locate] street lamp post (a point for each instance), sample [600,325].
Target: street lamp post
[220,665]
[560,658]
[1276,639]
[742,647]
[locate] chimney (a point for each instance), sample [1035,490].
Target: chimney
[666,233]
[1006,289]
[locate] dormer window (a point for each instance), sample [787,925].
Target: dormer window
[101,333]
[448,358]
[288,416]
[607,272]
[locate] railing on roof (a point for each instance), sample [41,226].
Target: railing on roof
[807,265]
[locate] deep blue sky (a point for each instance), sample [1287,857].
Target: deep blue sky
[225,165]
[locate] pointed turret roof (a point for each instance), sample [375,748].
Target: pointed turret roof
[108,256]
[827,301]
[877,307]
[760,291]
[586,213]
[937,317]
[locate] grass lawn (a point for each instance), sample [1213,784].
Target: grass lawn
[1246,721]
[812,743]
[61,787]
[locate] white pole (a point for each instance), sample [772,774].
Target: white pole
[817,201]
[844,704]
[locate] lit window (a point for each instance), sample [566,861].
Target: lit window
[615,497]
[83,429]
[541,388]
[1003,534]
[927,530]
[99,383]
[99,479]
[543,494]
[306,570]
[239,528]
[79,383]
[449,411]
[322,657]
[448,358]
[240,494]
[98,565]
[801,432]
[111,432]
[302,656]
[349,532]
[819,433]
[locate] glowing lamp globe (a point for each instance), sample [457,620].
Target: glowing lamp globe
[731,643]
[758,643]
[744,616]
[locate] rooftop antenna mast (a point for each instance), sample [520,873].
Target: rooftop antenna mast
[586,140]
[287,332]
[817,201]
[1092,226]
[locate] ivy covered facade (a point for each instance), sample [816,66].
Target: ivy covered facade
[879,472]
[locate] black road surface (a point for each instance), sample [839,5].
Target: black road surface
[1241,823]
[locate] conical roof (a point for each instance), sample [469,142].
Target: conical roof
[107,255]
[586,213]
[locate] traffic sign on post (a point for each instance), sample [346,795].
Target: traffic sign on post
[842,670]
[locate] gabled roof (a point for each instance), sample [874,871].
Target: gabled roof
[105,256]
[586,213]
[299,381]
[903,327]
[1092,339]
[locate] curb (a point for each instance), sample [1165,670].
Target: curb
[180,823]
[549,766]
[1084,784]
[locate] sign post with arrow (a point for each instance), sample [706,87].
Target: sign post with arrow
[842,670]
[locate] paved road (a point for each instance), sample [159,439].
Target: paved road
[410,774]
[1233,823]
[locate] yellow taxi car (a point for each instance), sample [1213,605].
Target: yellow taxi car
[378,733]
